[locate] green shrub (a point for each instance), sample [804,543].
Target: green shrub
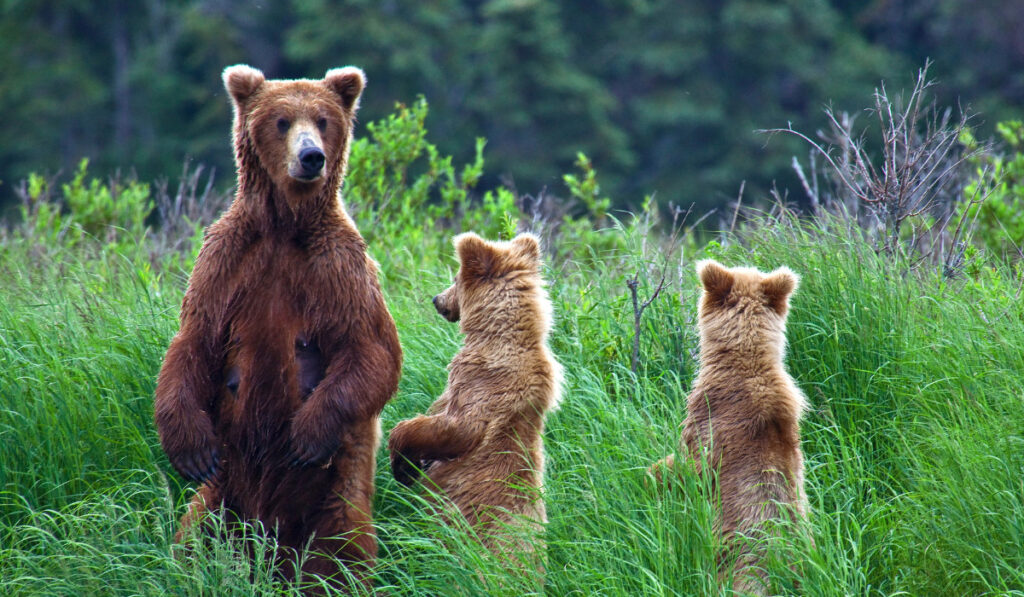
[114,212]
[104,209]
[994,200]
[400,186]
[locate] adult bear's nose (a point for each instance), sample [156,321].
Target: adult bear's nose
[312,160]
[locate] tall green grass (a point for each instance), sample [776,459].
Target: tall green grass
[914,444]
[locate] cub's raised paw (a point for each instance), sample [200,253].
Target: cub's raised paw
[404,471]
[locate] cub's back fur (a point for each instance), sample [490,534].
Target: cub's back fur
[744,410]
[481,442]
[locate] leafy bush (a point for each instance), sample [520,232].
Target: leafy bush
[994,200]
[105,210]
[112,212]
[399,185]
[101,209]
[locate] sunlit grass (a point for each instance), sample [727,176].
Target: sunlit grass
[914,444]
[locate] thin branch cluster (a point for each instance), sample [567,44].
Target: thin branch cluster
[916,173]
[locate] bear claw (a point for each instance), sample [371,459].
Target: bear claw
[310,456]
[198,468]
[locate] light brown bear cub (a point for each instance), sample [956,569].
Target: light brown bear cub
[480,443]
[743,412]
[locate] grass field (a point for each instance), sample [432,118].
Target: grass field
[914,446]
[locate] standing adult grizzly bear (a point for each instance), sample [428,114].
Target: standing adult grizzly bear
[481,442]
[271,390]
[743,413]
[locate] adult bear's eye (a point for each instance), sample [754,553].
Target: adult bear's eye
[282,125]
[321,124]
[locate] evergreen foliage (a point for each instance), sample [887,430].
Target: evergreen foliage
[663,96]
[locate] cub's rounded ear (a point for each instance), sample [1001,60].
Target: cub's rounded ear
[242,81]
[778,286]
[527,246]
[476,256]
[348,83]
[716,280]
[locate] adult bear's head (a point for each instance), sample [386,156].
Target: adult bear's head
[297,132]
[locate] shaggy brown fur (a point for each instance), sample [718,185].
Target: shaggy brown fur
[480,443]
[271,390]
[743,413]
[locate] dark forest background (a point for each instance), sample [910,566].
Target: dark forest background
[663,96]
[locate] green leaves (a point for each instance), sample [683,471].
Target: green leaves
[114,212]
[586,188]
[995,198]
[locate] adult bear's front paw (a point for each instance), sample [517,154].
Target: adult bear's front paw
[313,443]
[193,452]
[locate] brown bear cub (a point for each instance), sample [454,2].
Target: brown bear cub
[743,413]
[480,444]
[271,390]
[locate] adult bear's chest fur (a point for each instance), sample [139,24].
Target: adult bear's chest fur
[275,338]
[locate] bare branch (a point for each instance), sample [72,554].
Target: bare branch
[811,194]
[915,171]
[634,283]
[736,212]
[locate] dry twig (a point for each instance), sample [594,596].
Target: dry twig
[917,171]
[633,283]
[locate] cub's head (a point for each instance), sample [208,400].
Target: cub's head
[742,307]
[299,131]
[498,285]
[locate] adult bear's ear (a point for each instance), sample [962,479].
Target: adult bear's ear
[527,246]
[716,280]
[777,287]
[242,81]
[476,256]
[348,83]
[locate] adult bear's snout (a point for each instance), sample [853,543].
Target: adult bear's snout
[312,161]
